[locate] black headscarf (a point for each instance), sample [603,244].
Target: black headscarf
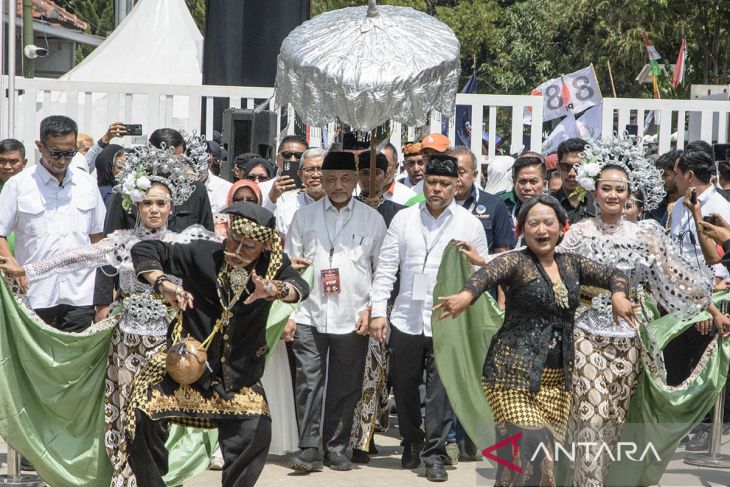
[104,164]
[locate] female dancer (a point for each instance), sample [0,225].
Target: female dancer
[607,354]
[526,375]
[154,180]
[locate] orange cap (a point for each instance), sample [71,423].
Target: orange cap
[437,142]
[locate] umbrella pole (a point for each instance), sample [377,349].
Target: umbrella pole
[374,191]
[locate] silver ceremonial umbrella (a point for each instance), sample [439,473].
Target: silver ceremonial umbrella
[369,65]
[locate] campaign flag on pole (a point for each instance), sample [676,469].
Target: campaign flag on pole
[590,124]
[566,129]
[654,56]
[571,93]
[678,78]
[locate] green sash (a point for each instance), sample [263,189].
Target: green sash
[52,399]
[657,413]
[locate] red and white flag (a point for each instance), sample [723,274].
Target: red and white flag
[678,78]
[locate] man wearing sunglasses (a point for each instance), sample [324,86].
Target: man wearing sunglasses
[53,207]
[578,205]
[291,148]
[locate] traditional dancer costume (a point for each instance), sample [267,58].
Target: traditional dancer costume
[527,372]
[607,356]
[228,395]
[143,318]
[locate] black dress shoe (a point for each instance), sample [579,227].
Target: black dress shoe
[436,473]
[337,461]
[411,455]
[308,460]
[700,441]
[360,456]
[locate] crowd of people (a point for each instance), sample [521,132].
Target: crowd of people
[282,311]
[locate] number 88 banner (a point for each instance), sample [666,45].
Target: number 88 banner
[571,93]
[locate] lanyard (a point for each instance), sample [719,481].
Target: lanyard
[337,235]
[435,241]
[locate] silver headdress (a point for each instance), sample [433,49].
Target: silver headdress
[147,164]
[196,152]
[629,153]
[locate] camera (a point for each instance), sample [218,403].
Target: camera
[32,52]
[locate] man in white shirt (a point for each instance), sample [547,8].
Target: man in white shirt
[693,170]
[415,242]
[53,207]
[341,237]
[217,187]
[291,148]
[310,173]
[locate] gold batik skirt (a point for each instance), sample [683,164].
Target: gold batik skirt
[531,420]
[187,406]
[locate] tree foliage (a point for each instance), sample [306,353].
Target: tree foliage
[518,44]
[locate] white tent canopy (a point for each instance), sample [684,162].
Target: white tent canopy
[157,43]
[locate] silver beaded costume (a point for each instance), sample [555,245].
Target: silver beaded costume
[607,356]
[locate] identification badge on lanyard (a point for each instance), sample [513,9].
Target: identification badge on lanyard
[419,290]
[330,282]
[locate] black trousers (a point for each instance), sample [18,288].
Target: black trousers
[244,444]
[69,318]
[343,388]
[410,357]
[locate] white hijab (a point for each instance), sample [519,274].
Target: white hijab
[499,175]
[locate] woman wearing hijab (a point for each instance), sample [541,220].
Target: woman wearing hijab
[241,190]
[105,170]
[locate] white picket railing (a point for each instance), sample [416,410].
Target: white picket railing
[95,105]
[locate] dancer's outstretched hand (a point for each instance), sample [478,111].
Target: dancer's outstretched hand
[452,306]
[176,296]
[11,267]
[264,289]
[624,309]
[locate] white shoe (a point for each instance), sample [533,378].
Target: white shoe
[216,461]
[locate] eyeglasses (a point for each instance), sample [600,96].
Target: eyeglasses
[258,179]
[289,154]
[58,154]
[311,170]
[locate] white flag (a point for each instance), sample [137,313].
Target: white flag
[565,130]
[589,124]
[571,93]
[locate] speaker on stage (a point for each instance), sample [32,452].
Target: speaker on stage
[247,131]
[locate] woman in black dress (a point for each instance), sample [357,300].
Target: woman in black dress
[527,372]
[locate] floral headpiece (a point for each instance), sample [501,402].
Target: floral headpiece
[196,152]
[147,164]
[627,152]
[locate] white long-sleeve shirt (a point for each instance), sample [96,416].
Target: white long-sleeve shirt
[217,189]
[355,235]
[411,232]
[683,225]
[287,206]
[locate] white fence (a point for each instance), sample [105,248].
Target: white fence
[95,105]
